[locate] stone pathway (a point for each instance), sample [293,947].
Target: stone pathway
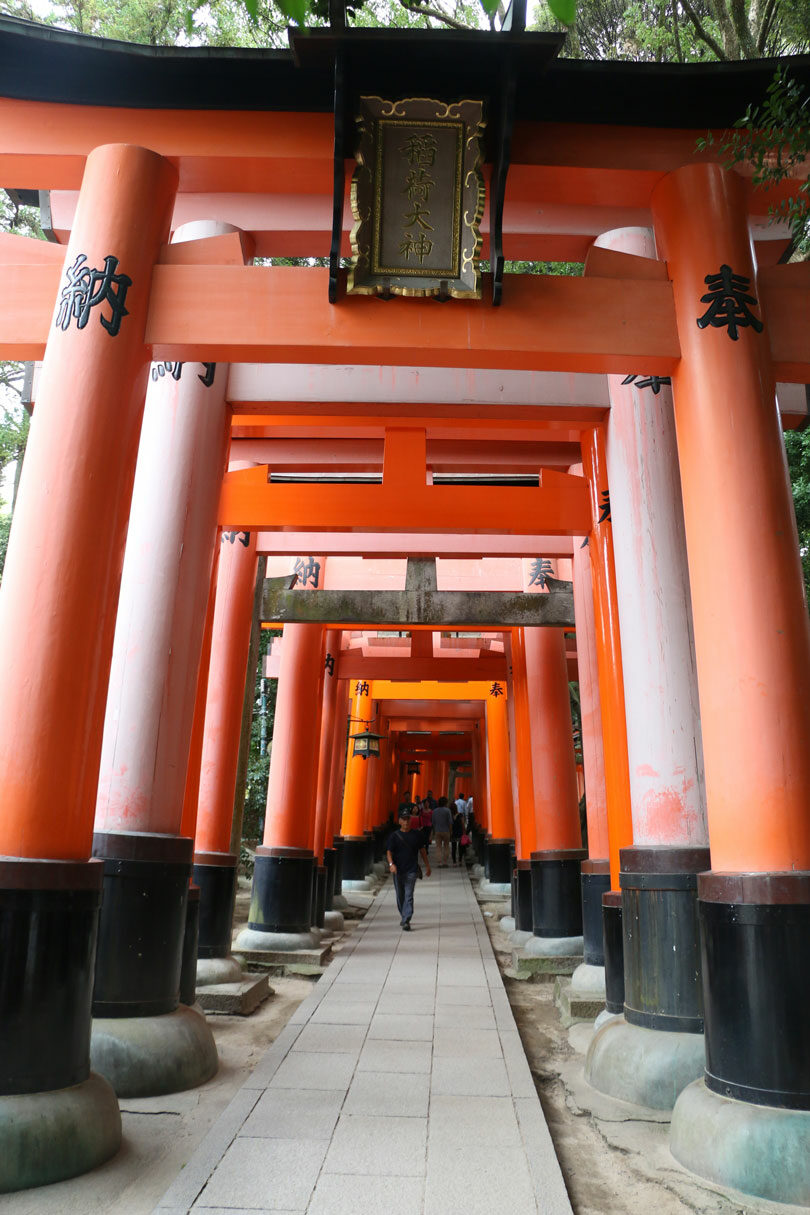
[399,1087]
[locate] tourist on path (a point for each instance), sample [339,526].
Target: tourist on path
[461,805]
[442,827]
[457,830]
[403,850]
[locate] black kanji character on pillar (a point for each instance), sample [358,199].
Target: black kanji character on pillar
[648,381]
[541,567]
[242,537]
[329,664]
[728,303]
[175,370]
[495,690]
[207,378]
[605,515]
[307,568]
[85,288]
[361,689]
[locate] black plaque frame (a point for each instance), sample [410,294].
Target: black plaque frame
[460,276]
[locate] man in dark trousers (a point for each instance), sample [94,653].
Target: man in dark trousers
[404,848]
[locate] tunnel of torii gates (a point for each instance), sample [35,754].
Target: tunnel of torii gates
[423,467]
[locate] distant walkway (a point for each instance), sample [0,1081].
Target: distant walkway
[399,1087]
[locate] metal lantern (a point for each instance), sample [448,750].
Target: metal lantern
[414,768]
[366,744]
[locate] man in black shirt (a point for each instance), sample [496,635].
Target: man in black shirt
[404,849]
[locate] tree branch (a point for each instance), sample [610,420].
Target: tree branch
[700,31]
[423,10]
[676,32]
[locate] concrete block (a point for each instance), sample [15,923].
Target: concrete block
[379,1055]
[346,1194]
[218,970]
[253,1170]
[485,1078]
[331,1039]
[382,1144]
[285,1113]
[375,1093]
[288,961]
[478,1183]
[528,966]
[576,1005]
[237,999]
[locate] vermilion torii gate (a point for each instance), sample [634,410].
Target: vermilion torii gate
[144,151]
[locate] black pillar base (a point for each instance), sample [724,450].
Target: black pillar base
[142,922]
[191,936]
[556,892]
[281,899]
[613,950]
[48,924]
[337,844]
[499,861]
[755,935]
[523,896]
[595,882]
[369,838]
[319,895]
[662,988]
[355,858]
[215,874]
[329,859]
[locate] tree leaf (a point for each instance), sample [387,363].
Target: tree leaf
[252,7]
[296,10]
[490,7]
[564,10]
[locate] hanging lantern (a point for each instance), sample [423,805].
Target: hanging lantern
[414,768]
[366,744]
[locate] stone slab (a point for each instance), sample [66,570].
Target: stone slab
[531,965]
[576,1006]
[240,999]
[282,961]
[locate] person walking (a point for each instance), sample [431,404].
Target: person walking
[404,848]
[461,805]
[457,829]
[442,828]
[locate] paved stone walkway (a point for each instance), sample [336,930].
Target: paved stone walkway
[399,1087]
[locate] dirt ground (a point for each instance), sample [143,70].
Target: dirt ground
[614,1156]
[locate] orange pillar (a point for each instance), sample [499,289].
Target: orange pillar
[552,741]
[523,782]
[498,863]
[608,654]
[57,619]
[281,904]
[590,707]
[329,705]
[752,645]
[230,643]
[356,861]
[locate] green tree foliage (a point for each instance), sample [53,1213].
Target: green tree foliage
[261,734]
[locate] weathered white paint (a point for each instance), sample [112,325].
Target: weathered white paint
[164,591]
[655,615]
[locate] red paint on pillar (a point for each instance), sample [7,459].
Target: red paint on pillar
[60,583]
[354,794]
[552,740]
[230,645]
[329,705]
[752,636]
[293,777]
[502,820]
[608,656]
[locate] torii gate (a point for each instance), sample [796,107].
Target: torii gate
[199,301]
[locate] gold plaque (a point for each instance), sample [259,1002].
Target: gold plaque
[417,198]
